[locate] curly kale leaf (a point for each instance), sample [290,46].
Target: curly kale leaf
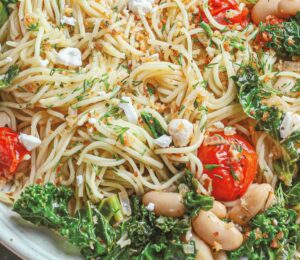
[192,200]
[153,124]
[7,2]
[284,37]
[44,205]
[48,206]
[274,235]
[151,237]
[252,93]
[4,10]
[90,229]
[293,195]
[3,14]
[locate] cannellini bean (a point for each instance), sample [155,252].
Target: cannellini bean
[219,209]
[288,7]
[285,84]
[203,250]
[257,199]
[181,131]
[215,232]
[4,119]
[264,8]
[220,255]
[168,204]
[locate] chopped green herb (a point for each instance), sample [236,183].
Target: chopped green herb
[211,166]
[8,77]
[34,27]
[120,131]
[153,124]
[207,29]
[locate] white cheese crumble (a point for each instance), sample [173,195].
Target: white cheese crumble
[92,121]
[128,109]
[69,57]
[219,125]
[163,141]
[231,13]
[210,51]
[189,235]
[150,206]
[181,131]
[29,141]
[68,20]
[140,6]
[79,180]
[229,130]
[44,63]
[8,59]
[290,124]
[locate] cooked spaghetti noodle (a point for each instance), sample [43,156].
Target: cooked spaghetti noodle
[163,61]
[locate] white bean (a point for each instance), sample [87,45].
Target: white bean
[219,209]
[288,7]
[257,199]
[214,231]
[4,119]
[264,8]
[168,204]
[203,250]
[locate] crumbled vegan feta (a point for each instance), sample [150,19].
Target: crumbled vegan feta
[181,131]
[150,206]
[44,63]
[68,20]
[210,51]
[219,125]
[229,130]
[163,141]
[290,124]
[69,57]
[92,120]
[128,109]
[140,6]
[29,141]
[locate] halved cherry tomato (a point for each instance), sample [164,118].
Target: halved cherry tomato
[12,152]
[231,164]
[227,12]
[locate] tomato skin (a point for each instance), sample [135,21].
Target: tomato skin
[230,176]
[218,9]
[12,152]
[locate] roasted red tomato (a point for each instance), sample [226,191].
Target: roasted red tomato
[231,162]
[227,12]
[12,152]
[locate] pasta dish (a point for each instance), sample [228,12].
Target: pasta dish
[154,129]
